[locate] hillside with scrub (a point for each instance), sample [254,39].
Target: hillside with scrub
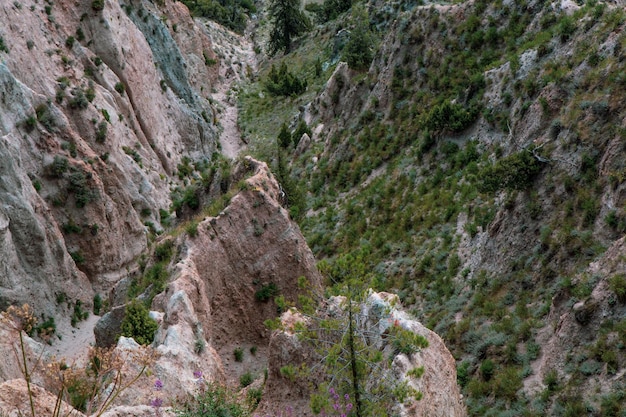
[474,166]
[328,207]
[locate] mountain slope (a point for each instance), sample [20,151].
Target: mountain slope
[476,168]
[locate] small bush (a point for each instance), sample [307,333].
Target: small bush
[246,379]
[69,42]
[3,47]
[487,369]
[78,257]
[97,5]
[138,324]
[192,229]
[283,82]
[266,292]
[164,251]
[515,172]
[212,401]
[101,132]
[97,304]
[119,87]
[238,353]
[617,284]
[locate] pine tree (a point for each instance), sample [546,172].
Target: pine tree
[359,52]
[354,358]
[288,22]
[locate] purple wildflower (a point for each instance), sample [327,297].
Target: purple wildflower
[197,374]
[158,385]
[156,402]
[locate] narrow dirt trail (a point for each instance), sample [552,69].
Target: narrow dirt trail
[237,61]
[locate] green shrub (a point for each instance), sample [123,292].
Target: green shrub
[97,5]
[69,42]
[192,228]
[3,47]
[617,284]
[487,369]
[515,172]
[78,314]
[449,116]
[119,87]
[97,304]
[30,123]
[238,353]
[246,379]
[101,132]
[138,324]
[212,401]
[44,116]
[164,251]
[266,292]
[283,82]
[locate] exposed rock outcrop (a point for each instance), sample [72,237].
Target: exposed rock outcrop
[381,311]
[98,108]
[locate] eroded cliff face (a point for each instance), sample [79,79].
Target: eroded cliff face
[97,109]
[375,317]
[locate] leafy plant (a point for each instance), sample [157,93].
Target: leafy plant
[266,292]
[138,324]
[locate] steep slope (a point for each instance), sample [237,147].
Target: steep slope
[99,106]
[476,168]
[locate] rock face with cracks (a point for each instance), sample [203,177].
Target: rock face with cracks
[97,108]
[380,311]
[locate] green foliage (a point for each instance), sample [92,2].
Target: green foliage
[329,9]
[97,5]
[119,87]
[487,369]
[246,379]
[79,187]
[288,22]
[79,99]
[230,13]
[138,324]
[192,228]
[617,284]
[283,82]
[212,401]
[266,292]
[238,353]
[46,329]
[97,304]
[45,117]
[58,167]
[358,52]
[284,137]
[101,132]
[163,252]
[451,117]
[301,129]
[407,342]
[515,172]
[3,46]
[78,314]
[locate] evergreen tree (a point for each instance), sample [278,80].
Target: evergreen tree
[359,51]
[284,137]
[288,22]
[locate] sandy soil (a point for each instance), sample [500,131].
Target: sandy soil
[75,341]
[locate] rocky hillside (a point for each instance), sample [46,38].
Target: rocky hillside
[100,104]
[475,167]
[123,195]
